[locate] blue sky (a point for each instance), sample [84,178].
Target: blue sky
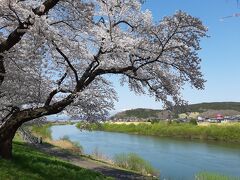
[220,52]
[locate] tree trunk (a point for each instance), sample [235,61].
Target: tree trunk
[2,71]
[6,139]
[9,127]
[6,148]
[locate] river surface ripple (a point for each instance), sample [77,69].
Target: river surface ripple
[174,158]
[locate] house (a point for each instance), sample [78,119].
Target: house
[219,117]
[214,120]
[200,119]
[231,119]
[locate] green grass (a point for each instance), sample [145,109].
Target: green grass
[228,133]
[214,176]
[28,163]
[134,162]
[18,137]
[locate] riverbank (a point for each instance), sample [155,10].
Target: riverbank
[96,161]
[174,158]
[226,133]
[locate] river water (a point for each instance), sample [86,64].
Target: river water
[174,158]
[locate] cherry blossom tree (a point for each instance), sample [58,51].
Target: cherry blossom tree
[57,55]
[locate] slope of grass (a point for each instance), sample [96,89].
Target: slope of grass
[228,133]
[28,163]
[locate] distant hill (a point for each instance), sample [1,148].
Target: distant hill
[140,113]
[228,108]
[202,107]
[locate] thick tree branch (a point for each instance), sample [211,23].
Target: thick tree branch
[18,118]
[100,72]
[18,33]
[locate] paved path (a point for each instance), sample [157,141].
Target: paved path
[83,162]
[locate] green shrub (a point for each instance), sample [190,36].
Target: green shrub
[193,122]
[134,162]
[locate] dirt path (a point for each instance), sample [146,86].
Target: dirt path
[83,162]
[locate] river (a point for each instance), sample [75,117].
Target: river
[174,158]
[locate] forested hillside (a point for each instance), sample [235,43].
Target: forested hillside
[230,108]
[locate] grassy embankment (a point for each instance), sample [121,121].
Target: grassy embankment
[29,163]
[227,132]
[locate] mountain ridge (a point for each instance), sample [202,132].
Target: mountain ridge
[229,108]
